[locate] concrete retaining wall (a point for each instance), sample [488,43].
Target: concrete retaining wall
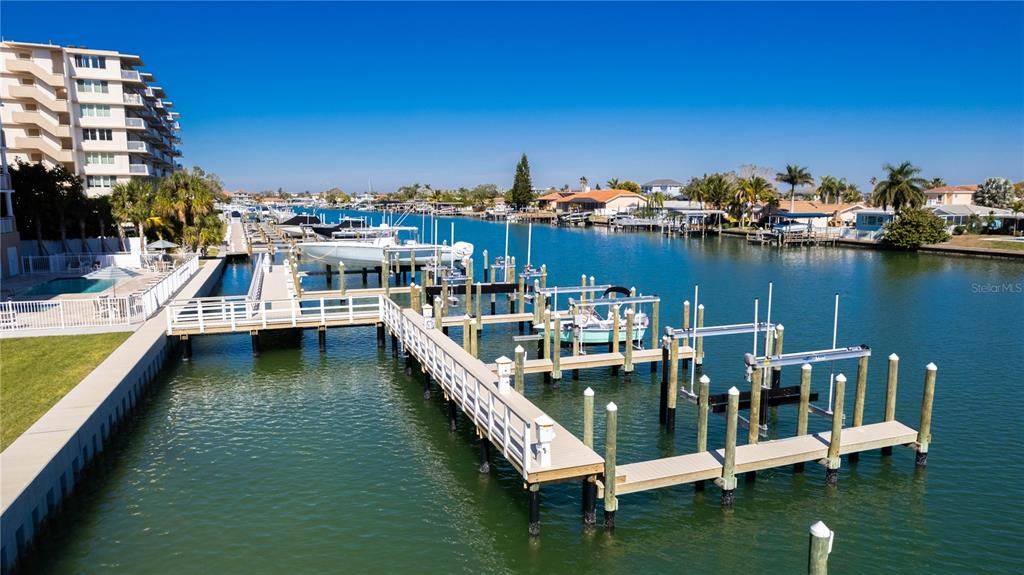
[42,467]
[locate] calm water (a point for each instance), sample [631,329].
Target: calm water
[308,462]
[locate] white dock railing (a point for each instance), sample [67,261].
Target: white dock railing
[475,390]
[238,313]
[78,263]
[102,311]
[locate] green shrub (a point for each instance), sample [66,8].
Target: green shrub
[914,228]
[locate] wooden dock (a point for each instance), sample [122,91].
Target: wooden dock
[693,467]
[593,360]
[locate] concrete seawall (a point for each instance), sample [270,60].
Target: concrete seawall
[42,467]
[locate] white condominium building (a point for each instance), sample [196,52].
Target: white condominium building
[94,111]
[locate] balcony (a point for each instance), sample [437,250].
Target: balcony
[135,123]
[132,100]
[130,76]
[36,94]
[41,121]
[7,225]
[138,147]
[57,154]
[138,169]
[19,66]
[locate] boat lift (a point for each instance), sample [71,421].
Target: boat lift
[819,356]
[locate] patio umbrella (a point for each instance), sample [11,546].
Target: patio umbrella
[161,245]
[112,273]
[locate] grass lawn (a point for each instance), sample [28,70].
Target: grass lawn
[976,241]
[35,372]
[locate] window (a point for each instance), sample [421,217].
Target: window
[102,159]
[95,111]
[101,181]
[94,86]
[86,61]
[97,134]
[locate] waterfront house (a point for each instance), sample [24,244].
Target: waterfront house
[668,187]
[950,195]
[843,214]
[602,202]
[549,200]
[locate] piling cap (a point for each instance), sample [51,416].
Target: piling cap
[931,367]
[893,357]
[734,391]
[502,360]
[780,327]
[820,530]
[588,392]
[519,349]
[841,378]
[686,302]
[806,366]
[611,406]
[701,306]
[705,379]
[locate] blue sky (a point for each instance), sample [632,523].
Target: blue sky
[307,96]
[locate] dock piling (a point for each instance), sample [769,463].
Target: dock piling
[804,408]
[474,338]
[255,337]
[627,362]
[485,455]
[835,440]
[754,429]
[777,371]
[534,509]
[589,484]
[613,345]
[487,269]
[663,404]
[891,381]
[673,384]
[321,336]
[186,347]
[654,332]
[520,368]
[698,357]
[924,430]
[728,480]
[858,400]
[556,348]
[820,547]
[611,503]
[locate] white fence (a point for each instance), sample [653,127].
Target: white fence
[78,263]
[239,313]
[97,311]
[467,381]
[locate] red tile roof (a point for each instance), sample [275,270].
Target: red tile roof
[949,189]
[600,196]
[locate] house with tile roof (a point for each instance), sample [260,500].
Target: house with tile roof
[602,202]
[950,195]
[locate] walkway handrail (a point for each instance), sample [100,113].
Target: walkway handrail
[467,381]
[231,313]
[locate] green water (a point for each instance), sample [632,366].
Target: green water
[297,461]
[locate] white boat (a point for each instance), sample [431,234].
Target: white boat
[597,330]
[367,247]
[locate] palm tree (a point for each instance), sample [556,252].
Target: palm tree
[750,191]
[794,176]
[583,182]
[613,184]
[936,183]
[851,194]
[133,202]
[830,187]
[656,200]
[902,187]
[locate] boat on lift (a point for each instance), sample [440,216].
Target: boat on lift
[596,329]
[368,246]
[296,226]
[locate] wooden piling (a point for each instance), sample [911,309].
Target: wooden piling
[627,362]
[611,502]
[485,455]
[702,413]
[328,274]
[728,480]
[835,440]
[543,276]
[777,371]
[673,384]
[663,403]
[753,428]
[341,278]
[653,327]
[924,430]
[686,321]
[487,269]
[469,285]
[589,486]
[534,509]
[479,299]
[521,299]
[546,348]
[861,391]
[321,336]
[699,356]
[386,276]
[819,548]
[519,369]
[255,337]
[804,407]
[891,382]
[466,334]
[556,347]
[437,312]
[583,283]
[474,341]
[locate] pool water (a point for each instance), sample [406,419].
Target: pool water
[70,285]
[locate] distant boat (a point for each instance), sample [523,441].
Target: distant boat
[293,227]
[595,329]
[367,247]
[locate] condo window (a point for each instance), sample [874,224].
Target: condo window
[85,61]
[97,134]
[95,111]
[94,158]
[94,86]
[100,181]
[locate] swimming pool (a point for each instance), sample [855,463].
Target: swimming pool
[70,285]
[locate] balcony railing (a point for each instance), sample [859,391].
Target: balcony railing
[130,75]
[133,99]
[137,123]
[137,146]
[138,169]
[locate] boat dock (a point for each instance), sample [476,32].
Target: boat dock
[491,396]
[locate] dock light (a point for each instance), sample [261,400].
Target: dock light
[545,435]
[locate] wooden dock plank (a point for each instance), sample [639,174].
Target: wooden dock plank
[593,360]
[692,467]
[457,320]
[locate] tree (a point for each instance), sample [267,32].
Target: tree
[629,186]
[133,202]
[656,200]
[749,192]
[718,189]
[336,196]
[521,194]
[902,187]
[936,183]
[613,184]
[583,183]
[913,228]
[41,191]
[794,176]
[830,188]
[851,194]
[994,193]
